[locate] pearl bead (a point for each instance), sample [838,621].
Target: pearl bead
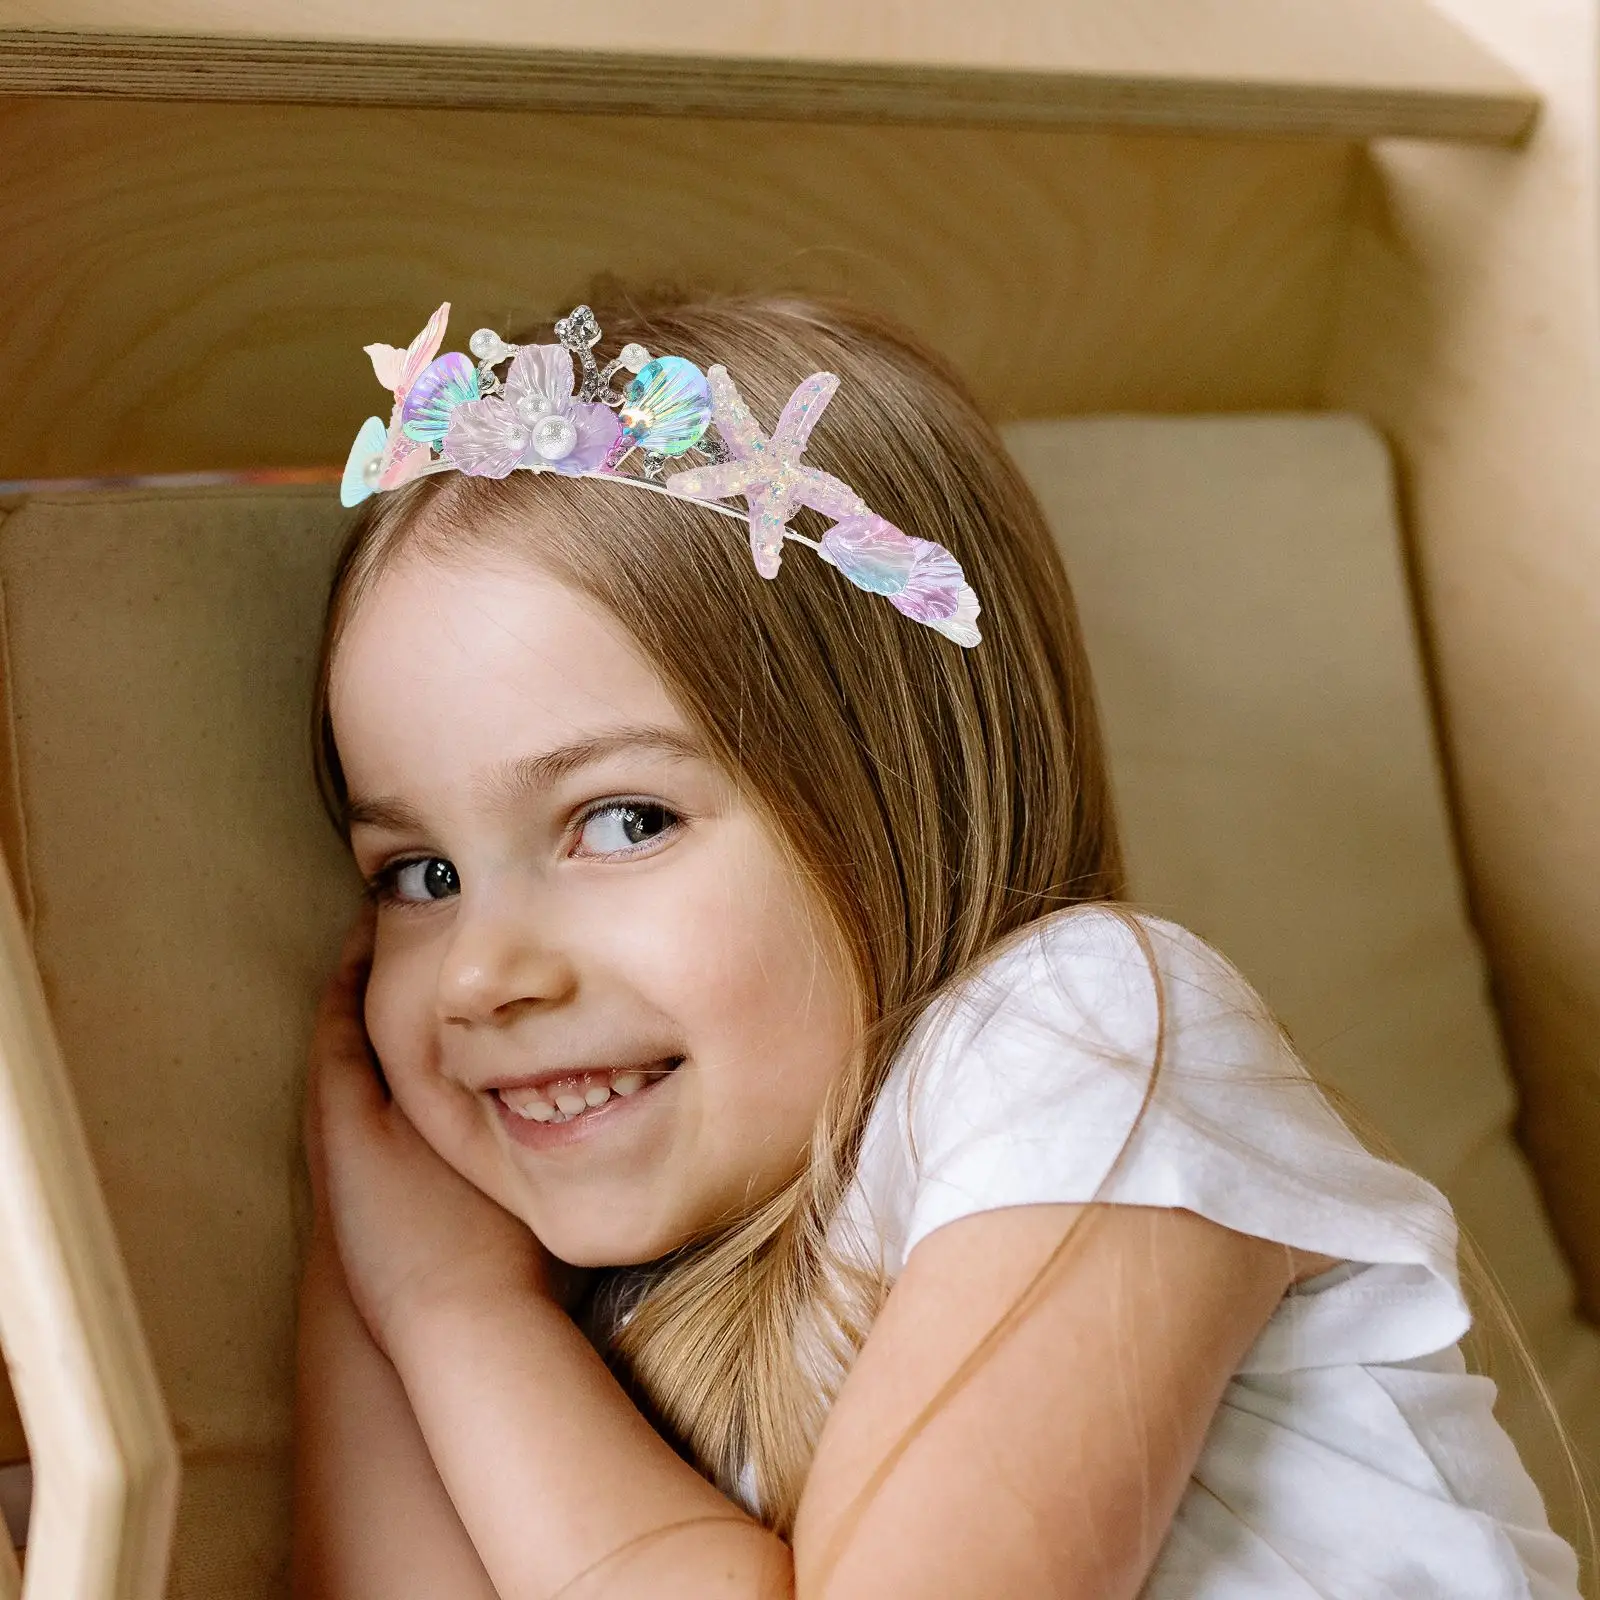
[555,438]
[633,357]
[532,407]
[487,345]
[372,471]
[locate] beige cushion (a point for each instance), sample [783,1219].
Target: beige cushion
[1248,620]
[186,898]
[1246,614]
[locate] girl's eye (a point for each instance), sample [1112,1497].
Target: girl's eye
[624,827]
[416,882]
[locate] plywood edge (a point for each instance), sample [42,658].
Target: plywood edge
[1488,106]
[105,1459]
[10,1572]
[13,823]
[13,1441]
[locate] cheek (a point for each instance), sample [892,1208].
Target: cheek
[401,1025]
[767,977]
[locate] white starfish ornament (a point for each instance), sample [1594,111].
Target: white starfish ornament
[768,473]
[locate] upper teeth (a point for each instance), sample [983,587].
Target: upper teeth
[568,1097]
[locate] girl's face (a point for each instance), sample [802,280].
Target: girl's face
[599,990]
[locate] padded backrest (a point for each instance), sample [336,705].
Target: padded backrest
[1243,593]
[1245,605]
[186,897]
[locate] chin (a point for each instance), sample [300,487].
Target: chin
[606,1247]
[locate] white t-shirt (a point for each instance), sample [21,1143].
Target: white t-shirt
[1352,1455]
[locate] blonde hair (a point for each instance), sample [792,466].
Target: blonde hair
[935,799]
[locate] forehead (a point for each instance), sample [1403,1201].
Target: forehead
[462,662]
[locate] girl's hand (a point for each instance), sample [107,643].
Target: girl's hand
[409,1230]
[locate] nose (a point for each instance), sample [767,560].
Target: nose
[499,964]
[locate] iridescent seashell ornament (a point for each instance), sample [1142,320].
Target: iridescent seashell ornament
[872,553]
[921,579]
[364,463]
[667,408]
[485,439]
[937,593]
[442,385]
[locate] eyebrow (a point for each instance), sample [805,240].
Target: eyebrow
[529,774]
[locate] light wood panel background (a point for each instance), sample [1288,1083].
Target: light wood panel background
[1470,330]
[190,286]
[1352,67]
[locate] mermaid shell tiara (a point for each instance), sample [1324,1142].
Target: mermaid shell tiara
[554,408]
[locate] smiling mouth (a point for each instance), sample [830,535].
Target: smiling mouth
[579,1094]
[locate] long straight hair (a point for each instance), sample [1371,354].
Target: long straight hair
[934,800]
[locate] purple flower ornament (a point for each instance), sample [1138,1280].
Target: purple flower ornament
[535,422]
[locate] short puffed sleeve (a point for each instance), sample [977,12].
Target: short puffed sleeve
[1036,1080]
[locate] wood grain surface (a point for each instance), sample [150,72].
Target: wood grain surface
[192,285]
[1353,68]
[1471,331]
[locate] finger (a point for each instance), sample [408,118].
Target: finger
[347,983]
[338,1041]
[341,1053]
[340,1023]
[347,1087]
[356,953]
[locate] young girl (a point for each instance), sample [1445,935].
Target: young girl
[753,1151]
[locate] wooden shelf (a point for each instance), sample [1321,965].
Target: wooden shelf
[1343,68]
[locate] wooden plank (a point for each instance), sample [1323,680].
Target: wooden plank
[13,1441]
[106,1463]
[1346,68]
[1471,331]
[199,280]
[13,854]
